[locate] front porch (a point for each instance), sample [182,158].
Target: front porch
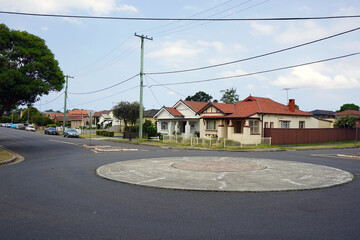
[245,131]
[183,128]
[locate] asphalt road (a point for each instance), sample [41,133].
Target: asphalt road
[55,194]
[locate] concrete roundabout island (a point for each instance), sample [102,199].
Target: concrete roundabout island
[224,174]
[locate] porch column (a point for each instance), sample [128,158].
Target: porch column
[221,129]
[170,127]
[176,127]
[187,129]
[246,128]
[230,130]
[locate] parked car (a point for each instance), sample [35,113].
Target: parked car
[13,125]
[20,127]
[51,131]
[71,133]
[7,125]
[30,128]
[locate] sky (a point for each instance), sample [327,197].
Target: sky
[100,53]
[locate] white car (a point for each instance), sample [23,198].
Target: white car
[30,128]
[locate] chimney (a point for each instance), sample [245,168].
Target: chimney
[292,105]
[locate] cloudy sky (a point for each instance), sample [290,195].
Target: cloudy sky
[102,53]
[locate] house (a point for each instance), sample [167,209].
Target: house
[181,119]
[245,121]
[327,117]
[351,113]
[149,115]
[106,119]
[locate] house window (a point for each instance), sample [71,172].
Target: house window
[237,127]
[271,124]
[285,124]
[266,125]
[254,127]
[164,125]
[301,124]
[210,124]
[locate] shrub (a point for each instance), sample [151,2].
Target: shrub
[104,133]
[111,134]
[98,132]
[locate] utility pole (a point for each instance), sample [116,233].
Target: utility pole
[142,37]
[66,88]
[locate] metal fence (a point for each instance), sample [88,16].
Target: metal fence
[212,142]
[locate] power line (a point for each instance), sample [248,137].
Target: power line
[109,96]
[260,72]
[196,14]
[254,57]
[183,28]
[179,19]
[147,76]
[103,89]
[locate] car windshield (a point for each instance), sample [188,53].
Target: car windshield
[72,130]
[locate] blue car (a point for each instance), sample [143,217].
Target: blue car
[51,131]
[13,125]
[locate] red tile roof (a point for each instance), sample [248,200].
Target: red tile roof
[348,112]
[174,112]
[253,105]
[97,114]
[196,106]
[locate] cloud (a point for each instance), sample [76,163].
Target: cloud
[98,7]
[323,77]
[177,49]
[262,29]
[300,32]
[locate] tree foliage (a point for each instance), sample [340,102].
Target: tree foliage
[349,106]
[200,97]
[40,120]
[149,129]
[33,111]
[128,112]
[346,122]
[28,69]
[229,96]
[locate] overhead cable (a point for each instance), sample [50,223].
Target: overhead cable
[256,73]
[254,57]
[103,89]
[178,19]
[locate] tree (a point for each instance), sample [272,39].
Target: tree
[200,97]
[33,111]
[349,106]
[229,96]
[346,122]
[28,69]
[128,112]
[40,120]
[149,129]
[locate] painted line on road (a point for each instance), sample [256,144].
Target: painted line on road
[76,144]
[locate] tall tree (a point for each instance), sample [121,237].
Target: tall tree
[28,69]
[349,106]
[229,96]
[32,110]
[200,97]
[126,111]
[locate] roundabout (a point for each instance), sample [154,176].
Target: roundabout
[224,174]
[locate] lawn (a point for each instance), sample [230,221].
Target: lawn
[4,155]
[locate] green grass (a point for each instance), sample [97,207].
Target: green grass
[4,155]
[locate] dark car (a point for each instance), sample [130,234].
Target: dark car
[51,131]
[19,127]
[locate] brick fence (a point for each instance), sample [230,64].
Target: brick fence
[285,136]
